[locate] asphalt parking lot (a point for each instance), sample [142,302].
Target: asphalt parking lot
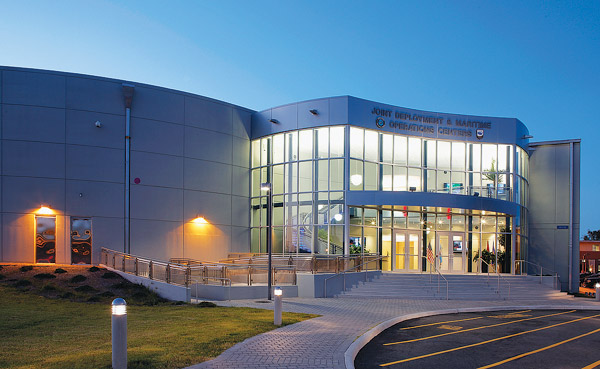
[504,339]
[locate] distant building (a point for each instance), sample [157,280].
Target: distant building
[589,256]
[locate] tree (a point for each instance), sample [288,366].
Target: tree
[491,174]
[592,235]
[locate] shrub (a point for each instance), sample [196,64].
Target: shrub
[106,294]
[94,299]
[67,295]
[207,304]
[60,271]
[85,288]
[121,285]
[2,276]
[22,283]
[110,275]
[1,267]
[44,276]
[49,287]
[26,268]
[94,269]
[78,278]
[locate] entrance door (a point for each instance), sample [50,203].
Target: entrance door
[407,251]
[45,239]
[81,240]
[451,252]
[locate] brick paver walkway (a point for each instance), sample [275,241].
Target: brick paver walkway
[322,342]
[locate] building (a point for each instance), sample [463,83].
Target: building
[589,256]
[90,162]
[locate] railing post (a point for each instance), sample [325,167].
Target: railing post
[274,276]
[150,272]
[313,266]
[123,263]
[167,274]
[188,275]
[114,261]
[250,275]
[136,266]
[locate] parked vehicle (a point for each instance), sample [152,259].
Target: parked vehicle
[591,280]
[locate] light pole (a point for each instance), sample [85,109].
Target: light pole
[119,333]
[268,187]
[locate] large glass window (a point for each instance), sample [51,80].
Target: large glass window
[311,162]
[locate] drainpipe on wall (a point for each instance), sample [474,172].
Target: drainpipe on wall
[571,161]
[128,96]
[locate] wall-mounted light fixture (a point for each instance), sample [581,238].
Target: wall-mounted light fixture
[314,111]
[44,210]
[412,189]
[199,219]
[274,121]
[98,124]
[526,137]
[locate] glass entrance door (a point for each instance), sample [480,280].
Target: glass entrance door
[407,251]
[451,252]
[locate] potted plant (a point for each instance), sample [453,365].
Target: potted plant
[486,256]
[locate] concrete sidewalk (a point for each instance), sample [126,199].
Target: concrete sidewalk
[323,341]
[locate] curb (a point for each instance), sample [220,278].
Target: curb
[366,337]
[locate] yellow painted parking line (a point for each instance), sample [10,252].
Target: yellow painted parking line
[484,342]
[592,365]
[476,328]
[448,321]
[542,349]
[460,320]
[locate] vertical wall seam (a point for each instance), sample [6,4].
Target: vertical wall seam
[183,221]
[64,217]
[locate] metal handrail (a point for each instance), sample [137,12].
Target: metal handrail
[479,259]
[179,274]
[439,275]
[349,269]
[447,284]
[556,275]
[224,279]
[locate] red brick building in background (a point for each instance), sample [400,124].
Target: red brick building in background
[589,256]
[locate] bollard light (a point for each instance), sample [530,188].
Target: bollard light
[119,334]
[278,292]
[597,291]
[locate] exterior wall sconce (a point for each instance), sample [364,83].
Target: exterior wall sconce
[200,220]
[412,189]
[44,210]
[314,111]
[274,121]
[98,124]
[526,137]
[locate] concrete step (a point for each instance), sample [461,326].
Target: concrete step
[460,287]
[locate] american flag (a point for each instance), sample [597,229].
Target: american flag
[430,257]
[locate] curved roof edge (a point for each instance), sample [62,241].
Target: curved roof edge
[116,80]
[340,110]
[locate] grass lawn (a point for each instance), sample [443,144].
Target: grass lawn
[39,332]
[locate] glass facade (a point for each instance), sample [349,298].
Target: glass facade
[387,162]
[311,170]
[307,171]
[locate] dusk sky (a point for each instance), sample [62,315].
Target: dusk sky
[537,61]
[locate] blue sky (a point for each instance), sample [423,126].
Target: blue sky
[534,60]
